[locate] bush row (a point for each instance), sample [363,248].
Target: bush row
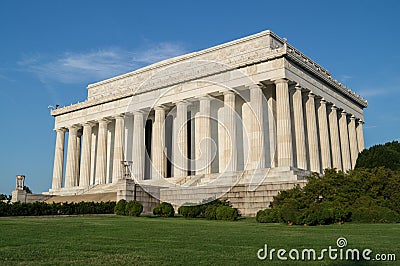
[42,208]
[317,214]
[360,195]
[323,214]
[130,208]
[214,210]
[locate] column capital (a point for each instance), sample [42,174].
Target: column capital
[129,114]
[61,129]
[159,107]
[323,101]
[360,121]
[254,86]
[137,112]
[311,94]
[280,80]
[182,102]
[228,92]
[74,127]
[88,123]
[204,97]
[119,116]
[103,120]
[333,107]
[297,87]
[352,117]
[343,112]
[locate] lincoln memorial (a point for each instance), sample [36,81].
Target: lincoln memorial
[241,120]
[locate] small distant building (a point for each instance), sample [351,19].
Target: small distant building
[22,194]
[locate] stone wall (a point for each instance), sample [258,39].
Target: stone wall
[249,202]
[245,197]
[126,190]
[23,196]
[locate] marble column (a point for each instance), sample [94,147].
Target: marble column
[353,140]
[101,160]
[324,135]
[344,141]
[301,153]
[158,153]
[312,134]
[78,157]
[58,159]
[84,176]
[203,137]
[70,173]
[256,134]
[360,135]
[284,125]
[118,173]
[335,141]
[138,146]
[180,161]
[271,100]
[230,136]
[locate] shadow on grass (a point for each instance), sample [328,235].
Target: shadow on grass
[239,219]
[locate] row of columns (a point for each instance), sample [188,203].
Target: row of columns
[333,139]
[320,142]
[78,164]
[318,137]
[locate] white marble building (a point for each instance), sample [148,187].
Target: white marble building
[253,111]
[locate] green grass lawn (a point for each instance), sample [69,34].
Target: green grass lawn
[107,240]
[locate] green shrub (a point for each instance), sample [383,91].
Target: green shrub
[387,155]
[324,213]
[164,209]
[337,197]
[209,209]
[267,216]
[120,208]
[5,208]
[133,208]
[226,213]
[211,212]
[290,211]
[375,214]
[261,216]
[42,208]
[188,211]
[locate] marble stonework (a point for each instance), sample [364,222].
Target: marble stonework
[254,110]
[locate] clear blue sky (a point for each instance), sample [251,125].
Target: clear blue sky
[51,50]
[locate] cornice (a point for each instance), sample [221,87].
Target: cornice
[276,48]
[306,63]
[181,58]
[272,54]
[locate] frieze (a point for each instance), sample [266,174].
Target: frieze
[240,53]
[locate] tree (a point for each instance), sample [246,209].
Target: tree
[387,155]
[5,197]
